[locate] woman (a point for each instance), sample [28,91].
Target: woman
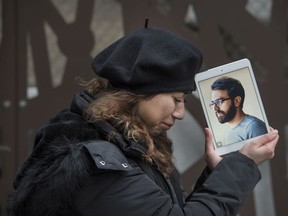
[109,154]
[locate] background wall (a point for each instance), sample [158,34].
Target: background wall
[45,44]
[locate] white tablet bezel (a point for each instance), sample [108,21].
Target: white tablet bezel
[242,71]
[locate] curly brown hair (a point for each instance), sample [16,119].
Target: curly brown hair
[120,107]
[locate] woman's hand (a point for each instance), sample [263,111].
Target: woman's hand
[211,157]
[261,148]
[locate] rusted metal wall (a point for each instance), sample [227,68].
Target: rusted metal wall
[45,44]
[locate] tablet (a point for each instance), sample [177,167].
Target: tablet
[232,105]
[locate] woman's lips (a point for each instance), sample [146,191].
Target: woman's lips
[166,126]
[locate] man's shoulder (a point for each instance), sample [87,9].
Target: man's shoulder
[253,120]
[255,126]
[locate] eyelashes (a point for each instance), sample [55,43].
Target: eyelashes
[177,100]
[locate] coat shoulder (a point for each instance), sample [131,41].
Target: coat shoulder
[50,179]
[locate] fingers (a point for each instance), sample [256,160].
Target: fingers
[271,144]
[269,147]
[265,138]
[271,129]
[262,147]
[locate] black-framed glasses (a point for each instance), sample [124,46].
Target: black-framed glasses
[218,102]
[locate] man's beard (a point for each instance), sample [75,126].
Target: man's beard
[228,116]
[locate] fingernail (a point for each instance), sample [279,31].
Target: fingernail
[275,132]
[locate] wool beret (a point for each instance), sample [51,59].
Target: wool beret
[149,61]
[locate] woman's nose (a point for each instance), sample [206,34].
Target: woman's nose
[179,111]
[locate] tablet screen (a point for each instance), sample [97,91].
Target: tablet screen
[232,105]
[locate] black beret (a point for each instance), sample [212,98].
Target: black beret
[149,61]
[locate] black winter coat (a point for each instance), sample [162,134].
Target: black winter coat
[73,170]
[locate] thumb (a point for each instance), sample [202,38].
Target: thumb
[211,157]
[209,148]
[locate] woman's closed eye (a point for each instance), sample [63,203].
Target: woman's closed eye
[178,100]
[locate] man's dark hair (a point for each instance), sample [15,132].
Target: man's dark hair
[233,87]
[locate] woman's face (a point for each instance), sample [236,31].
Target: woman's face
[160,112]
